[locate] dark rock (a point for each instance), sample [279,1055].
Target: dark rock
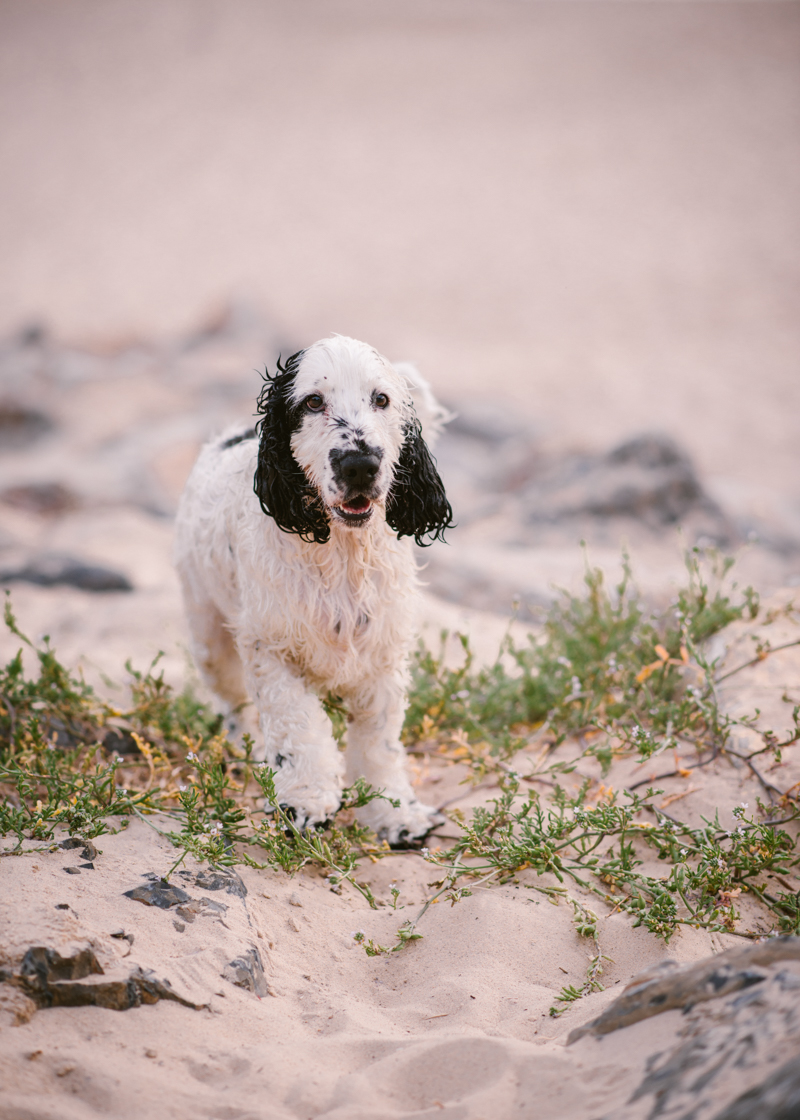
[121,935]
[41,965]
[62,906]
[121,741]
[247,972]
[159,894]
[218,879]
[648,478]
[777,1098]
[731,1055]
[78,981]
[89,866]
[201,906]
[20,426]
[88,849]
[179,926]
[32,334]
[44,498]
[52,570]
[72,870]
[668,987]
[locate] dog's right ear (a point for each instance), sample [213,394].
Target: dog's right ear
[280,483]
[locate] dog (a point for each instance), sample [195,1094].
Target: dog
[293,547]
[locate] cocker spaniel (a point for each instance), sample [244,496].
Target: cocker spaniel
[298,582]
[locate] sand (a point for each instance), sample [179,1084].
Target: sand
[585,214]
[456,1025]
[592,204]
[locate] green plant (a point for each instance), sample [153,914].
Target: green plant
[603,678]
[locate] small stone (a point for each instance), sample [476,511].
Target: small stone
[50,570]
[150,1053]
[159,893]
[294,899]
[247,971]
[64,906]
[294,924]
[90,866]
[72,870]
[179,926]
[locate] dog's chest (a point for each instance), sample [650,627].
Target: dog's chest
[351,618]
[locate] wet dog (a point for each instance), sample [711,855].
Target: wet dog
[294,552]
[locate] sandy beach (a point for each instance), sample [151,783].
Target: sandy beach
[581,221]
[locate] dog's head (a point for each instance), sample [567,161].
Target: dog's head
[341,443]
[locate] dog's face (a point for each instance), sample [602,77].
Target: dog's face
[352,411]
[341,444]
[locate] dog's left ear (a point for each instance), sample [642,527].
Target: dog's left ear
[417,505]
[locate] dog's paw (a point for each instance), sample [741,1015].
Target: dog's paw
[310,808]
[404,827]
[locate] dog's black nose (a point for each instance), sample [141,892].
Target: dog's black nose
[359,470]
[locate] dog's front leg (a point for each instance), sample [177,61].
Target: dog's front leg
[298,744]
[374,752]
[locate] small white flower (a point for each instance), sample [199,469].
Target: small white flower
[425,852]
[462,694]
[182,789]
[743,804]
[565,661]
[191,757]
[123,792]
[576,686]
[684,853]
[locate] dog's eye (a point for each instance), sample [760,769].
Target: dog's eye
[314,403]
[380,400]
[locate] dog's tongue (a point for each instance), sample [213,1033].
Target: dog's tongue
[357,505]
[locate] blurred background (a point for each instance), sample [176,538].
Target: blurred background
[579,218]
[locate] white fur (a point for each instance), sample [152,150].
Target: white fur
[283,621]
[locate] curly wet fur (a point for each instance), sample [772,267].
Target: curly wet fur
[281,485]
[289,596]
[417,505]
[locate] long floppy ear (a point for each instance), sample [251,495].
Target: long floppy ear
[280,483]
[417,505]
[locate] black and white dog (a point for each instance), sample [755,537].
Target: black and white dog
[297,582]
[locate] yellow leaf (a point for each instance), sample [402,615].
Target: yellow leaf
[643,674]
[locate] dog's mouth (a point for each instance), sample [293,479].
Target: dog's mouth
[355,511]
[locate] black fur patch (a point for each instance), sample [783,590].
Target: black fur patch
[280,483]
[417,505]
[249,434]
